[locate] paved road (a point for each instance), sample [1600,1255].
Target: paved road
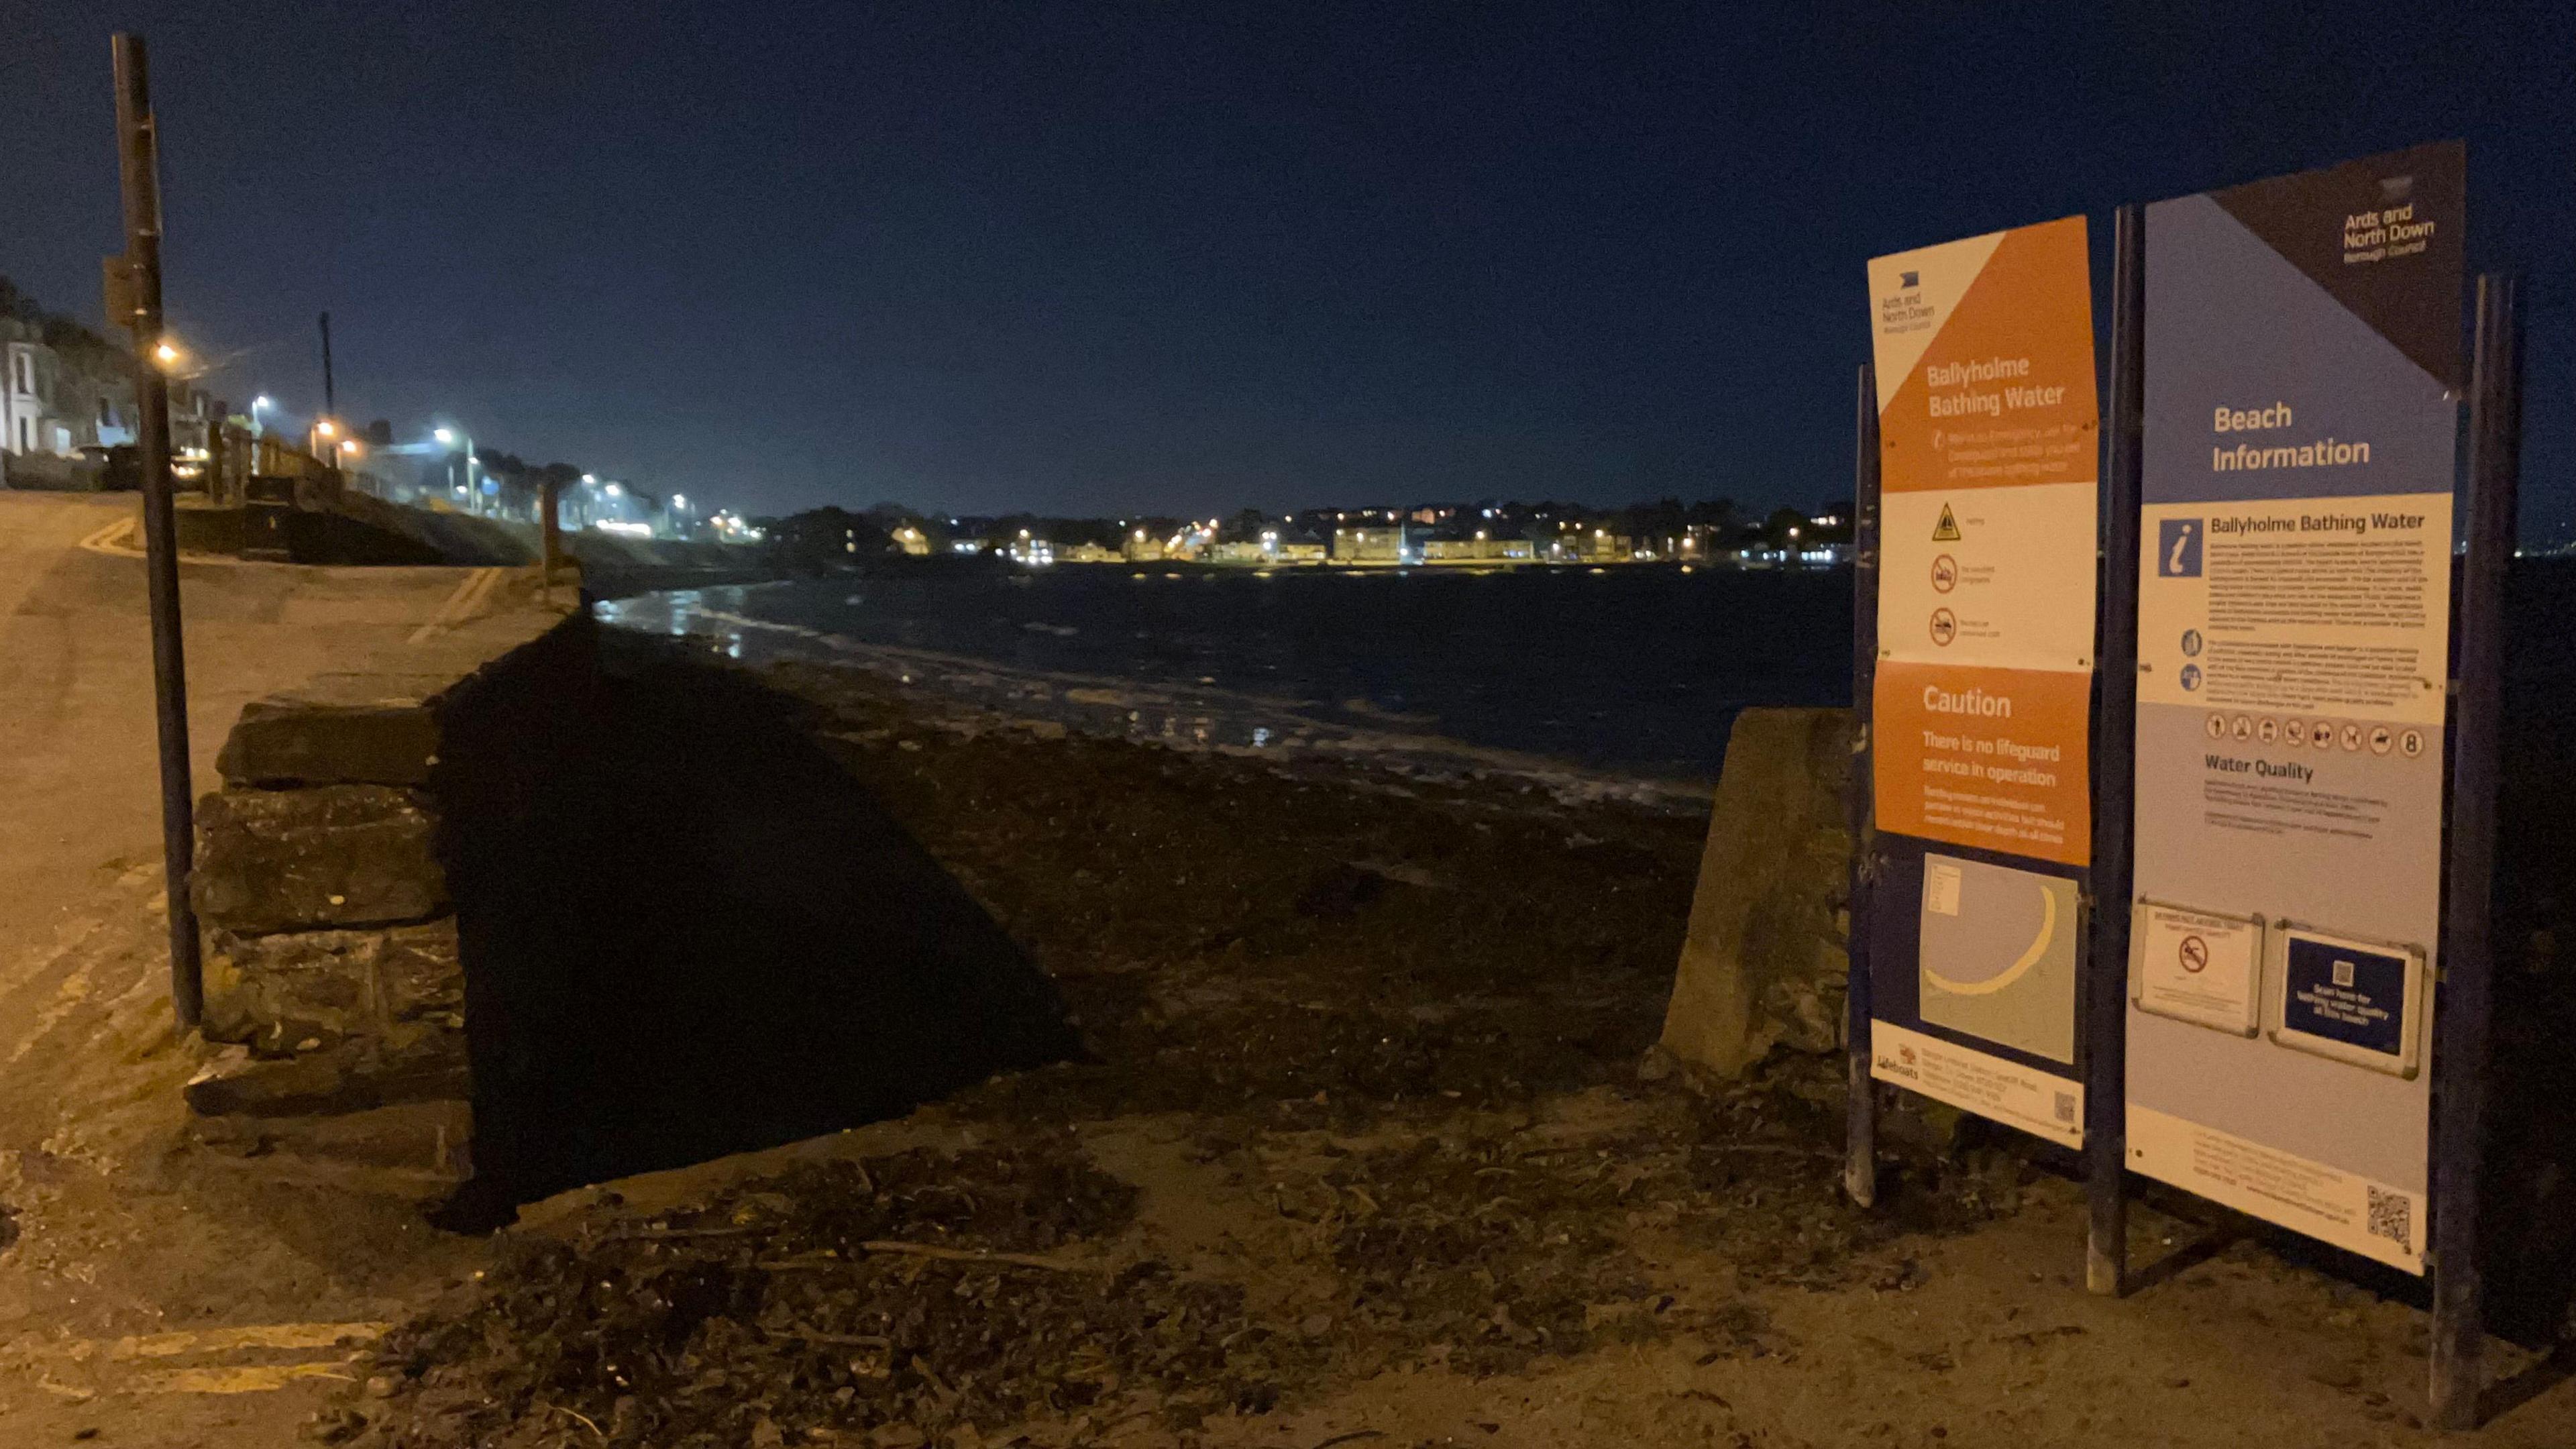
[162,1295]
[77,753]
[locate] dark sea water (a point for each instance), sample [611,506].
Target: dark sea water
[1633,672]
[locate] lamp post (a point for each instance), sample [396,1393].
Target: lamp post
[447,438]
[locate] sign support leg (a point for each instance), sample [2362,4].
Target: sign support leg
[2464,996]
[2106,1001]
[1860,1153]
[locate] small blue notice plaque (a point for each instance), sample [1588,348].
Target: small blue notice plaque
[2352,1000]
[2344,994]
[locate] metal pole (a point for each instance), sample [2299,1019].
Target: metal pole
[2115,733]
[330,403]
[9,405]
[2464,998]
[1860,1146]
[138,155]
[553,531]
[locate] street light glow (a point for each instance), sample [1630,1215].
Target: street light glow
[260,402]
[165,352]
[325,428]
[616,492]
[445,435]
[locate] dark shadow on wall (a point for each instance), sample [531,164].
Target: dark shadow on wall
[687,932]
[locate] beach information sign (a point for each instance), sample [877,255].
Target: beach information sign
[1989,440]
[2303,376]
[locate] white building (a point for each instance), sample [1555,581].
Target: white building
[30,420]
[47,408]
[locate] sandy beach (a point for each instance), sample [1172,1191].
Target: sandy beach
[1359,1152]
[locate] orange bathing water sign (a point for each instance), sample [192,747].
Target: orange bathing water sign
[1989,437]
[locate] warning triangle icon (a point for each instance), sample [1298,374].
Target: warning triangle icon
[1948,530]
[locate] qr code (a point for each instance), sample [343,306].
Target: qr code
[2066,1108]
[2391,1216]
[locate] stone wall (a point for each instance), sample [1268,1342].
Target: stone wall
[1764,963]
[334,1010]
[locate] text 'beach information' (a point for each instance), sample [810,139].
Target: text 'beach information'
[2302,384]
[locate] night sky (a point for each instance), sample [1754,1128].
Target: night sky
[1118,258]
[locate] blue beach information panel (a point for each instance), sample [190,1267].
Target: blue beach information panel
[2303,377]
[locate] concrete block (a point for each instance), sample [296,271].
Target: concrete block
[332,856]
[1763,962]
[276,993]
[285,741]
[352,1077]
[428,1140]
[202,527]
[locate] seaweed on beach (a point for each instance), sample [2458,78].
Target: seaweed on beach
[998,1293]
[892,1301]
[1389,1036]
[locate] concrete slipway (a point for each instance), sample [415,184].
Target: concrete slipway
[156,1295]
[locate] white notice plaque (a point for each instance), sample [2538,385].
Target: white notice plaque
[2196,966]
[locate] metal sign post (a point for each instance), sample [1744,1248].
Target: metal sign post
[138,155]
[2465,993]
[2106,1039]
[1860,1150]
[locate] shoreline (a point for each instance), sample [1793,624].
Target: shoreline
[976,691]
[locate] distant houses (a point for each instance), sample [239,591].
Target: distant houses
[67,401]
[1369,545]
[1432,536]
